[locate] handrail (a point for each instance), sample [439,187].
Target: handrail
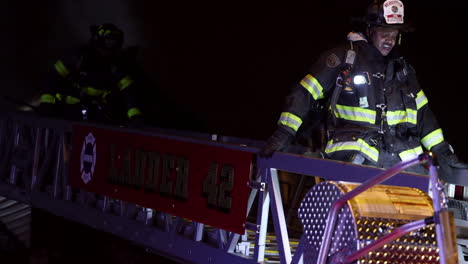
[437,192]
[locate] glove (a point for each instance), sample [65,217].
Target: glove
[447,160]
[280,140]
[445,156]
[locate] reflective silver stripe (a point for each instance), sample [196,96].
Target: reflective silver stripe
[359,145]
[355,114]
[290,120]
[401,116]
[313,86]
[421,100]
[412,116]
[432,139]
[410,153]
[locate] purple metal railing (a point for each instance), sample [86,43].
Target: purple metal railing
[437,193]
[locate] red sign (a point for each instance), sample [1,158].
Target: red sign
[201,182]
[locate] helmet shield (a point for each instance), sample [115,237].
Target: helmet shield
[393,12]
[388,13]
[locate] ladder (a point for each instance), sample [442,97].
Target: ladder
[236,216]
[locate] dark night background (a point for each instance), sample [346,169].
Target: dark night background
[225,67]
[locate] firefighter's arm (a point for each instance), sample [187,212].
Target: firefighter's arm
[58,84]
[128,86]
[314,86]
[55,81]
[432,137]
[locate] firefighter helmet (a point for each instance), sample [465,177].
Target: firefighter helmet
[107,36]
[386,13]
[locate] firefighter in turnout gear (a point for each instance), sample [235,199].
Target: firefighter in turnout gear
[378,114]
[100,83]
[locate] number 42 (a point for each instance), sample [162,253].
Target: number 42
[218,193]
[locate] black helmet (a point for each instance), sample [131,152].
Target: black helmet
[106,36]
[387,13]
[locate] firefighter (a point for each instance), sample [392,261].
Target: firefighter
[378,114]
[100,83]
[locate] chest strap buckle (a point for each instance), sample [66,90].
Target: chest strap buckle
[378,75]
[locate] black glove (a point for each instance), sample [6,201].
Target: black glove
[447,160]
[280,140]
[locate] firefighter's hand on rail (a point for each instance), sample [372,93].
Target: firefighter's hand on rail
[277,142]
[448,162]
[446,158]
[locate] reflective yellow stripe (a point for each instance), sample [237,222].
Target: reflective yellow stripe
[125,82]
[133,112]
[67,99]
[47,98]
[61,69]
[59,96]
[359,145]
[355,114]
[92,91]
[432,139]
[106,32]
[401,116]
[102,31]
[71,100]
[412,116]
[290,120]
[105,94]
[313,86]
[410,153]
[421,100]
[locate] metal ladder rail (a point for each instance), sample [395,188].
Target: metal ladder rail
[58,146]
[281,160]
[53,191]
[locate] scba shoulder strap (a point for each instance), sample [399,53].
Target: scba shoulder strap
[342,80]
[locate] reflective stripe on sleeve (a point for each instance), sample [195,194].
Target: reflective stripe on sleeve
[61,69]
[355,114]
[67,99]
[401,116]
[433,138]
[313,86]
[290,120]
[59,96]
[125,82]
[411,153]
[71,100]
[47,98]
[92,91]
[359,145]
[104,33]
[421,100]
[133,112]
